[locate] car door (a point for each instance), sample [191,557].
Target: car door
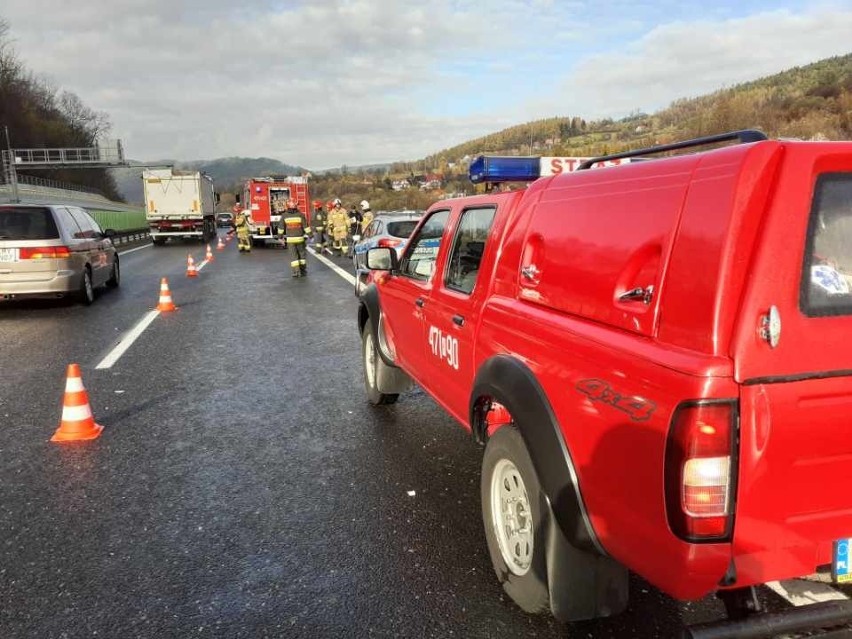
[105,251]
[450,310]
[367,242]
[87,244]
[403,294]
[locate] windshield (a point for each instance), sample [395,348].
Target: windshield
[23,223]
[827,276]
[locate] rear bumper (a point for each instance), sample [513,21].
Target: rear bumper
[824,617]
[55,287]
[156,234]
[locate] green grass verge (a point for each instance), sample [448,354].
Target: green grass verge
[120,220]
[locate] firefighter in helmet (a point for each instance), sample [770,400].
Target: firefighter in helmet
[366,215]
[319,222]
[354,229]
[339,226]
[296,229]
[329,226]
[241,223]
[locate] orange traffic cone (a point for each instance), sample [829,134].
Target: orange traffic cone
[209,257]
[220,245]
[77,423]
[166,303]
[191,271]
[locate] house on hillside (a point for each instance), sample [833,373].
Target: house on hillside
[431,181]
[400,185]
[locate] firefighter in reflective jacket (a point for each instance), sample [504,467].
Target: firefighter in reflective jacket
[339,226]
[319,221]
[243,232]
[296,229]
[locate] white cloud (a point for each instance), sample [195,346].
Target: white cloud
[688,59]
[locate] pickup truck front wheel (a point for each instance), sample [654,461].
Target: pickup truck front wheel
[512,511]
[372,364]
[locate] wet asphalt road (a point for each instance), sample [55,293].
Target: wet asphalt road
[242,486]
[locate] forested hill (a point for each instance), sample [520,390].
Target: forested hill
[38,115]
[809,102]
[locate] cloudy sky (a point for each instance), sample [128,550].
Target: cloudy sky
[322,83]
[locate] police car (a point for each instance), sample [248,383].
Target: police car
[390,229]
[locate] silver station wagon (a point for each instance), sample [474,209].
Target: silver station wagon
[53,251]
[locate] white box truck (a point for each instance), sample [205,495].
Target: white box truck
[179,204]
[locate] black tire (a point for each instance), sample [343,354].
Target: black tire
[114,280]
[372,361]
[526,581]
[86,294]
[158,241]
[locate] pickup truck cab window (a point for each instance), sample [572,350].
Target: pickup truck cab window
[468,248]
[827,274]
[419,261]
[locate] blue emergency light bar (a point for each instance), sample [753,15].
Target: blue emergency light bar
[492,168]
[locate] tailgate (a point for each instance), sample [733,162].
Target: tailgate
[793,358]
[794,498]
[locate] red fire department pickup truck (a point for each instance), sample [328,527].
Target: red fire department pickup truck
[658,359]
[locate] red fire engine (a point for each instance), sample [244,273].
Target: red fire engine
[265,197]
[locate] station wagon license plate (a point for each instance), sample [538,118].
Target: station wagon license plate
[8,255]
[841,570]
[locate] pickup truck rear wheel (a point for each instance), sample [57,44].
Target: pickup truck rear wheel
[513,514]
[372,363]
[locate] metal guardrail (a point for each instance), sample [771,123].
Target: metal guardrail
[55,184]
[128,237]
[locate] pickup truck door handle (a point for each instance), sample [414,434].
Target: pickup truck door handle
[419,302]
[458,320]
[638,294]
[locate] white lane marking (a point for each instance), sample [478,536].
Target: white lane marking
[201,265]
[138,248]
[127,341]
[800,592]
[334,267]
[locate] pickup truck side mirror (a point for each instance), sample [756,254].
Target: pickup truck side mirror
[382,258]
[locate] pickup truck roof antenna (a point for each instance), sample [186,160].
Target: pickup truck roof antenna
[742,137]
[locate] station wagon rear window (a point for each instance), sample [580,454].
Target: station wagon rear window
[826,287]
[403,228]
[25,223]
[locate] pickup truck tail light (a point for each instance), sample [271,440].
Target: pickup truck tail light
[44,252]
[700,472]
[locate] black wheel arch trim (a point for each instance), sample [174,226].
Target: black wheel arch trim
[510,382]
[370,308]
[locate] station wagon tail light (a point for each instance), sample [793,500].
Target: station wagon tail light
[700,470]
[44,252]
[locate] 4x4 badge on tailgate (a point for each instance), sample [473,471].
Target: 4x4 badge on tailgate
[598,390]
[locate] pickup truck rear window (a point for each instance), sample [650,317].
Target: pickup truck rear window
[468,248]
[25,223]
[826,287]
